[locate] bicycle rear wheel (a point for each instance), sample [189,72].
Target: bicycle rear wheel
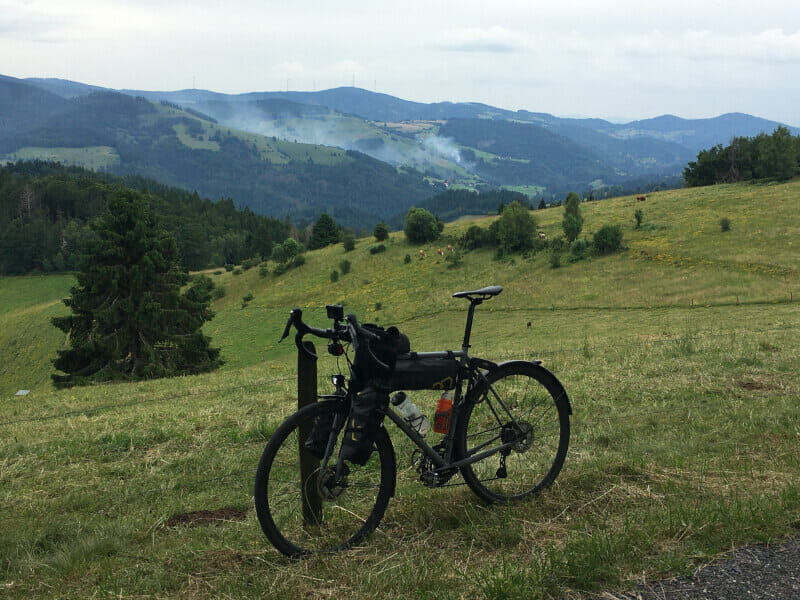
[522,405]
[351,507]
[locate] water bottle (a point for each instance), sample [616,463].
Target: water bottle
[444,413]
[413,416]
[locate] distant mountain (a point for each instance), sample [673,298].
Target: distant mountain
[124,135]
[469,144]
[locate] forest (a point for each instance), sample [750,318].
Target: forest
[765,156]
[45,208]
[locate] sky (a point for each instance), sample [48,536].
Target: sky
[619,60]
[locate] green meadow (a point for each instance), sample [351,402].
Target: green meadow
[681,356]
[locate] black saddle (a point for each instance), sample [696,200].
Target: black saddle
[482,293]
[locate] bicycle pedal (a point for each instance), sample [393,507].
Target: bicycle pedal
[501,473]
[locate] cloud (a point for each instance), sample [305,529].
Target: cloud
[346,67]
[768,46]
[492,39]
[290,67]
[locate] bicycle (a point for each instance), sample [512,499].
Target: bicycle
[508,438]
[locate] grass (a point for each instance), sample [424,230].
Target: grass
[91,157]
[684,431]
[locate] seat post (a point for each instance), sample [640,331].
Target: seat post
[473,302]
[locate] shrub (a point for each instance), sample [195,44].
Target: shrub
[280,269]
[217,272]
[334,275]
[577,250]
[638,214]
[344,267]
[298,261]
[218,292]
[247,298]
[229,267]
[407,259]
[263,271]
[377,248]
[378,306]
[555,260]
[454,259]
[349,243]
[250,263]
[608,239]
[475,237]
[725,224]
[515,229]
[420,226]
[237,271]
[381,232]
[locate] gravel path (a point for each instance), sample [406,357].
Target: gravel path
[750,573]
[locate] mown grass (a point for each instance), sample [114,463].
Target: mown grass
[684,431]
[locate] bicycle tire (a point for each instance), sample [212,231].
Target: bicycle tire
[538,402]
[346,519]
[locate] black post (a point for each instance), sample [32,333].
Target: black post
[309,465]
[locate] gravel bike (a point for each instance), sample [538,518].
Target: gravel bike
[508,439]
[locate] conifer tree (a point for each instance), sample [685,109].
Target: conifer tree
[324,232]
[130,319]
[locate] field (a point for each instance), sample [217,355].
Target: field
[91,157]
[681,356]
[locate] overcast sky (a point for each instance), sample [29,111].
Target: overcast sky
[611,59]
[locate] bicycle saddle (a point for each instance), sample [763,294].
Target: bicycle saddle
[486,292]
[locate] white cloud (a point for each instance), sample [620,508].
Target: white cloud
[491,39]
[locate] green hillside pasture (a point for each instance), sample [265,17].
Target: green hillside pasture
[681,449]
[195,143]
[27,339]
[91,157]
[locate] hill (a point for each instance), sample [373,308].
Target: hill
[680,356]
[598,153]
[126,135]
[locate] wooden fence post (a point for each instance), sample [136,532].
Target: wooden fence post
[309,465]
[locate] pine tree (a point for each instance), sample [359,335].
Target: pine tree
[129,318]
[324,232]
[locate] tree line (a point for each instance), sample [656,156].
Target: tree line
[45,210]
[765,156]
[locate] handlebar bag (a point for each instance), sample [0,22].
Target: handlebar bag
[424,374]
[386,348]
[367,410]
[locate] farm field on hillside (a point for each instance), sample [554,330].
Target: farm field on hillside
[681,356]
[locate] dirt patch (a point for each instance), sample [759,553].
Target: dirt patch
[203,517]
[755,385]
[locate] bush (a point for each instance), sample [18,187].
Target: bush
[280,269]
[218,292]
[246,299]
[638,214]
[475,237]
[555,260]
[421,226]
[378,306]
[344,267]
[229,267]
[250,263]
[516,228]
[453,259]
[263,271]
[298,261]
[725,224]
[557,244]
[237,271]
[349,243]
[381,232]
[218,272]
[577,250]
[608,239]
[334,275]
[407,259]
[377,248]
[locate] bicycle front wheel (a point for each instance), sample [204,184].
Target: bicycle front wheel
[523,407]
[320,512]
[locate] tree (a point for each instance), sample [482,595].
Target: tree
[349,243]
[607,239]
[129,318]
[420,226]
[516,228]
[573,220]
[381,232]
[324,232]
[542,204]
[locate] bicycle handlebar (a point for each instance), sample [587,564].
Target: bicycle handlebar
[352,332]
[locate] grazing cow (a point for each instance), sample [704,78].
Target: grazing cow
[641,198]
[450,247]
[422,253]
[542,235]
[440,251]
[529,323]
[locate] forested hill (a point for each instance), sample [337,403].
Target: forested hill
[123,134]
[45,209]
